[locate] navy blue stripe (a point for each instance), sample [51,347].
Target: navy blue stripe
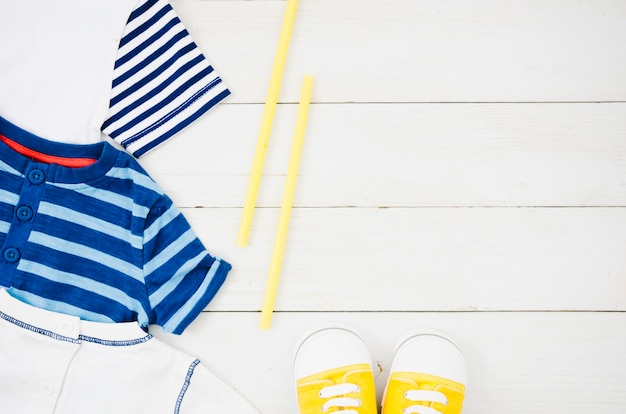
[142,28]
[170,62]
[162,104]
[146,43]
[141,9]
[138,102]
[150,59]
[181,125]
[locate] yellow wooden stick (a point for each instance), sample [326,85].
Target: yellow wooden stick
[285,209]
[266,123]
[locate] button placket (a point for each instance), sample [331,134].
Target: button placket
[25,210]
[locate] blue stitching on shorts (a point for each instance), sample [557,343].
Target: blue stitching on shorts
[183,390]
[37,330]
[79,340]
[106,342]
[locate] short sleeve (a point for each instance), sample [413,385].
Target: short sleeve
[181,277]
[162,82]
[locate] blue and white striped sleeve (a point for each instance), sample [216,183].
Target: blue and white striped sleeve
[161,81]
[181,277]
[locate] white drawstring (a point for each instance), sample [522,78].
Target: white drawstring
[335,391]
[426,396]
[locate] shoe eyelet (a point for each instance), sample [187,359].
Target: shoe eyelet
[406,395]
[358,402]
[358,389]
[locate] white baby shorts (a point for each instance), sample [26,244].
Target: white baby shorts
[58,364]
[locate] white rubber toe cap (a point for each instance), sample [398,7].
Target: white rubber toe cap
[329,347]
[430,352]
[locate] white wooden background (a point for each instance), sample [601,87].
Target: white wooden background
[464,169]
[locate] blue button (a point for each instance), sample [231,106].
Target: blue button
[24,213]
[36,176]
[11,255]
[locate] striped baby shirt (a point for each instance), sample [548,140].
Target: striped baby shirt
[86,232]
[75,71]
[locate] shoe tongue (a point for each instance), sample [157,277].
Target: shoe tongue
[338,389]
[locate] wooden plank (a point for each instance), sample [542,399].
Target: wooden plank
[417,259]
[520,363]
[406,155]
[420,51]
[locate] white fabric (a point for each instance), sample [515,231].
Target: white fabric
[56,65]
[58,364]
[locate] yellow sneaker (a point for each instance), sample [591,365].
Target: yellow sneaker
[333,372]
[428,375]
